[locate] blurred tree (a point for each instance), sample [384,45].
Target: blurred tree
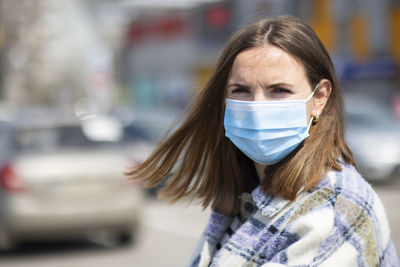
[47,52]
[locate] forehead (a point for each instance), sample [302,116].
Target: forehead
[267,63]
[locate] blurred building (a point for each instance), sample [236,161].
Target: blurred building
[170,51]
[155,54]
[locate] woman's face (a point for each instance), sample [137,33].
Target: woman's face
[268,74]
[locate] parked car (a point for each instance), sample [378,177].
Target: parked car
[373,134]
[57,181]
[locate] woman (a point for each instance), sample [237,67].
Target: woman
[263,146]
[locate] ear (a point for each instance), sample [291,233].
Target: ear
[321,97]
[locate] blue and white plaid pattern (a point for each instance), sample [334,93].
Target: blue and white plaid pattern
[342,222]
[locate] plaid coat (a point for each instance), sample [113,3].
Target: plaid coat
[341,222]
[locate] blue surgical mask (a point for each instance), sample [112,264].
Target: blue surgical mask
[266,131]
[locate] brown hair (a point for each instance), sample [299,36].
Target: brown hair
[205,164]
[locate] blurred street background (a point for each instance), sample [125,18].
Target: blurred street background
[89,87]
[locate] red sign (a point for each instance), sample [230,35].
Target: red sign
[160,28]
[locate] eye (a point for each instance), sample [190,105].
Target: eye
[281,90]
[239,90]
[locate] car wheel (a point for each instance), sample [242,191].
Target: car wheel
[6,242]
[125,238]
[112,237]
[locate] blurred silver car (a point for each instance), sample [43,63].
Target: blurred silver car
[373,134]
[58,182]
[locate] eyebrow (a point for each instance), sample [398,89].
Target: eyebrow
[279,84]
[237,85]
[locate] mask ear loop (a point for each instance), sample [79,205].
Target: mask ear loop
[312,94]
[309,124]
[312,118]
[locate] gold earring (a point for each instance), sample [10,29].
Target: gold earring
[316,118]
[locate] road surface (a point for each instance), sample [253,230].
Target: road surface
[167,238]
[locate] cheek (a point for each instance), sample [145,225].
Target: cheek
[309,107]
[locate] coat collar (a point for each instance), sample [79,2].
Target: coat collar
[268,206]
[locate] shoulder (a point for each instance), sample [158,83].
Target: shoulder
[352,200]
[346,190]
[348,183]
[358,206]
[339,192]
[355,203]
[345,209]
[344,194]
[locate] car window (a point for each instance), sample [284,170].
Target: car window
[366,113]
[365,118]
[51,139]
[6,140]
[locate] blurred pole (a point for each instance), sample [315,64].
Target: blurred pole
[394,16]
[343,11]
[323,22]
[376,13]
[249,11]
